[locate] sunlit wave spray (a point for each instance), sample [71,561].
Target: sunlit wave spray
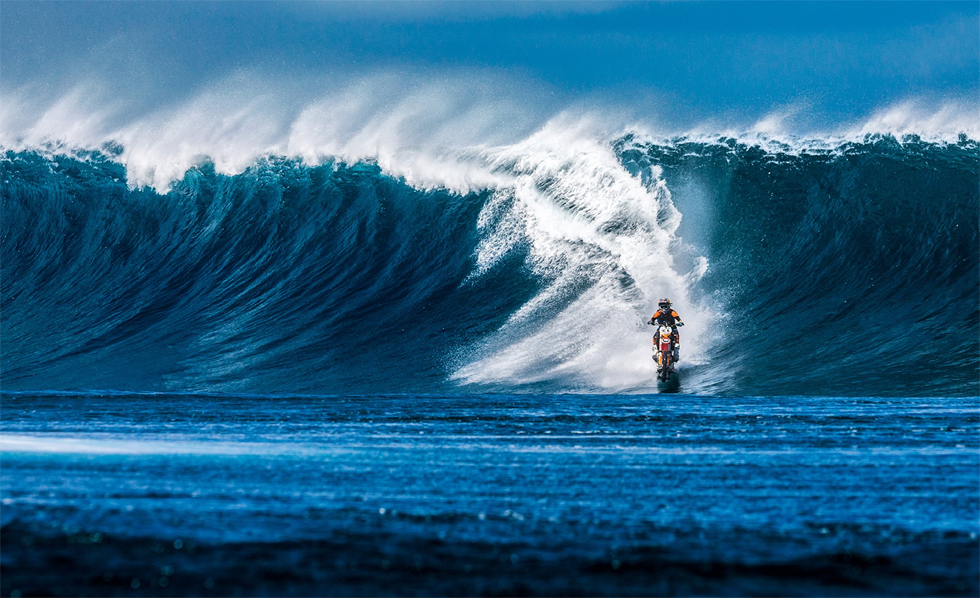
[604,243]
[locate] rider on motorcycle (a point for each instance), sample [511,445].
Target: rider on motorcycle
[666,315]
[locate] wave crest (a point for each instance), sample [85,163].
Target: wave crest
[379,240]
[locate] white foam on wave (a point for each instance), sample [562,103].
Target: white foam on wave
[604,244]
[81,118]
[419,129]
[422,128]
[427,134]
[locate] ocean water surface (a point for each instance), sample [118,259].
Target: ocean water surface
[488,494]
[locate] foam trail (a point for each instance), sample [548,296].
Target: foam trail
[604,241]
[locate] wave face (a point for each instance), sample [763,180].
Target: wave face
[850,269]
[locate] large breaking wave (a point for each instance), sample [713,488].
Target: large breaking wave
[827,266]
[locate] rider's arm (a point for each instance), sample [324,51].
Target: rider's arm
[677,317]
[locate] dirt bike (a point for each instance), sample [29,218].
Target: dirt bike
[664,352]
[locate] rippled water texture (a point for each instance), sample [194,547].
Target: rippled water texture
[655,494]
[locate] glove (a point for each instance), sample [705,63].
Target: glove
[679,324]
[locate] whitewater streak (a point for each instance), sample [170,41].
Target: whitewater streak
[601,238]
[604,240]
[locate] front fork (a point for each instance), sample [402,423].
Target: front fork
[658,354]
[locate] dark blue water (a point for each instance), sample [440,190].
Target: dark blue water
[654,494]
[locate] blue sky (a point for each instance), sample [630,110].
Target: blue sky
[683,60]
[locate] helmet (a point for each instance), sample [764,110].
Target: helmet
[664,303]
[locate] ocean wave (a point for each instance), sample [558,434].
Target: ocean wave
[369,253]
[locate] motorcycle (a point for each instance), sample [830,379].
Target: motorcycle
[664,352]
